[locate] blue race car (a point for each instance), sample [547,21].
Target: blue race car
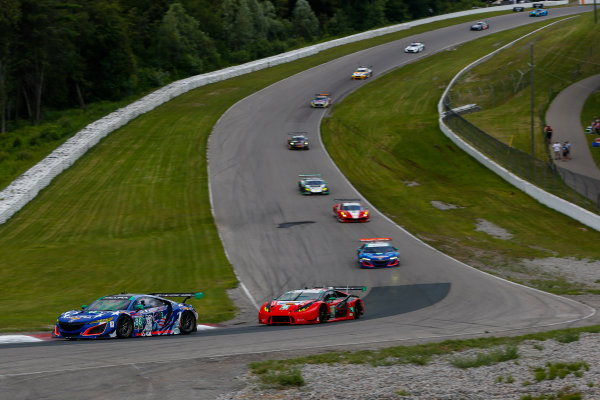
[377,252]
[129,315]
[540,12]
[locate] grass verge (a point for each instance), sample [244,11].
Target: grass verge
[423,353]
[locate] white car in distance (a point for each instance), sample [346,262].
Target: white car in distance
[415,47]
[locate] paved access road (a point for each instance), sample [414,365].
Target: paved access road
[276,240]
[564,115]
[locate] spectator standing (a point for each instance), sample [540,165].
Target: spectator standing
[556,150]
[548,134]
[596,125]
[566,150]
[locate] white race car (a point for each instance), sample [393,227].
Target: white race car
[414,48]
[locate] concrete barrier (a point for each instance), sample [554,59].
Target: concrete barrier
[27,186]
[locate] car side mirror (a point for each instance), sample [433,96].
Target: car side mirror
[83,307]
[395,248]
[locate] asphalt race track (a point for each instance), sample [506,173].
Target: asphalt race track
[277,239]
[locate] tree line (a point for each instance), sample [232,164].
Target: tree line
[59,54]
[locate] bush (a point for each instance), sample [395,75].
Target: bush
[24,155]
[282,379]
[493,357]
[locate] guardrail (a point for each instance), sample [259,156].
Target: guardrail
[450,123]
[28,185]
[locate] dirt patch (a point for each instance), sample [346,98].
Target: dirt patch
[486,226]
[440,205]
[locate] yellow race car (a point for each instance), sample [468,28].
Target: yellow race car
[362,73]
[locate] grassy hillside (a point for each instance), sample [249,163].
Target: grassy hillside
[563,54]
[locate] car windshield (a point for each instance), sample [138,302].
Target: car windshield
[361,70]
[351,207]
[299,296]
[298,139]
[378,249]
[414,44]
[314,183]
[109,305]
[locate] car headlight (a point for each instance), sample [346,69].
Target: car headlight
[101,321]
[305,307]
[324,188]
[393,258]
[307,189]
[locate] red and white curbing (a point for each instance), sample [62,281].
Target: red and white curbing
[39,337]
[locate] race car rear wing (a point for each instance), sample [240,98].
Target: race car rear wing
[187,296]
[361,288]
[375,240]
[297,133]
[342,200]
[308,175]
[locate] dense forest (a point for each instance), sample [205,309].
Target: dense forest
[59,54]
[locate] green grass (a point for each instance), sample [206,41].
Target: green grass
[133,214]
[560,370]
[492,357]
[506,379]
[385,136]
[560,395]
[281,379]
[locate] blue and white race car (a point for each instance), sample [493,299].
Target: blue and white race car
[376,253]
[540,12]
[129,315]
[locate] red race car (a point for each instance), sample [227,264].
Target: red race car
[312,306]
[350,210]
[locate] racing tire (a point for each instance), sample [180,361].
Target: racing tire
[187,323]
[124,327]
[357,310]
[323,317]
